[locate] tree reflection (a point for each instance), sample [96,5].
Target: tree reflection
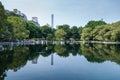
[100,53]
[5,60]
[16,57]
[61,50]
[34,51]
[73,48]
[20,57]
[47,50]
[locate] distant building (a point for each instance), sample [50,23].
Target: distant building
[34,61]
[24,16]
[19,13]
[7,11]
[16,11]
[35,21]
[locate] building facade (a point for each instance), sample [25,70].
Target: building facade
[17,12]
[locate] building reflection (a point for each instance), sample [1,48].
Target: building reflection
[34,61]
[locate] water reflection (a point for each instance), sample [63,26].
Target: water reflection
[100,53]
[16,57]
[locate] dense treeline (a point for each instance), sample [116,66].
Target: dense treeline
[14,27]
[103,32]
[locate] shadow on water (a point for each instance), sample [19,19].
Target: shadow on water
[14,57]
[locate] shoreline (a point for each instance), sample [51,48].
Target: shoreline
[100,42]
[62,41]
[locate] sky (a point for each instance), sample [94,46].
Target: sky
[71,12]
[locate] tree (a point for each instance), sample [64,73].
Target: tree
[35,31]
[47,31]
[66,28]
[109,32]
[80,31]
[86,34]
[96,32]
[3,20]
[92,24]
[19,27]
[75,34]
[60,34]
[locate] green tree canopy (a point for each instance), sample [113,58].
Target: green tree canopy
[35,31]
[19,27]
[88,30]
[66,28]
[47,31]
[3,20]
[75,33]
[60,34]
[92,24]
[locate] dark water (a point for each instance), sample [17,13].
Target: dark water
[60,62]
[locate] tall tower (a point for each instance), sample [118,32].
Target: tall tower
[52,21]
[52,26]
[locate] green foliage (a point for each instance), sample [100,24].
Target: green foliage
[19,27]
[92,24]
[86,34]
[3,20]
[47,32]
[35,31]
[108,32]
[60,34]
[10,13]
[101,32]
[66,28]
[75,33]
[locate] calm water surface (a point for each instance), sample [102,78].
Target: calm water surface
[60,62]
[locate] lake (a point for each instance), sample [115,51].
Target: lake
[68,61]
